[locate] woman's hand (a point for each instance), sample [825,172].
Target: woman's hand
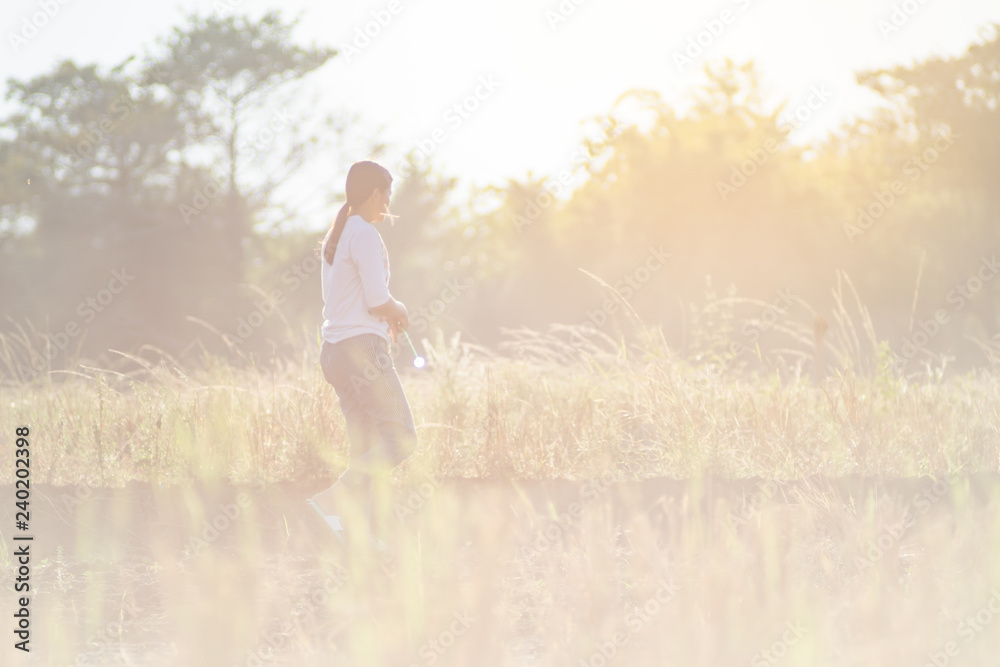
[398,320]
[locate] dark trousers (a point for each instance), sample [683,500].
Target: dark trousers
[379,423]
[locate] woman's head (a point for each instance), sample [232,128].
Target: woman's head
[368,188]
[365,179]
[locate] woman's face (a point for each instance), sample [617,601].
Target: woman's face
[382,201]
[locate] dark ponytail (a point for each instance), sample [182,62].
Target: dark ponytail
[362,178]
[332,236]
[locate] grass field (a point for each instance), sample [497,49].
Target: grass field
[575,501]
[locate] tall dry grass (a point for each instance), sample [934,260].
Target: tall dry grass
[570,402]
[741,567]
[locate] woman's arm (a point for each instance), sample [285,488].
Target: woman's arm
[393,312]
[367,250]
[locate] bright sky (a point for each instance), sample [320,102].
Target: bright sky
[432,54]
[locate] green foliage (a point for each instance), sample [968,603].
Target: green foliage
[168,188]
[116,164]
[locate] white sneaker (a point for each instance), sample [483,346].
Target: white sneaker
[331,520]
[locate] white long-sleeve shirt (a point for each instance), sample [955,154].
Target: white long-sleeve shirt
[357,280]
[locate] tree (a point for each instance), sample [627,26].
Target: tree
[116,157]
[223,75]
[958,96]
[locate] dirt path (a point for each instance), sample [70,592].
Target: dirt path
[244,575]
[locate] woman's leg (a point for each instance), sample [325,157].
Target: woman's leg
[337,366]
[379,421]
[396,438]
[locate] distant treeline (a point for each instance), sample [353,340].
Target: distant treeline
[703,222]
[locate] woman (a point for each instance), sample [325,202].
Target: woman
[360,319]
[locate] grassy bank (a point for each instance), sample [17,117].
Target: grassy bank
[562,404]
